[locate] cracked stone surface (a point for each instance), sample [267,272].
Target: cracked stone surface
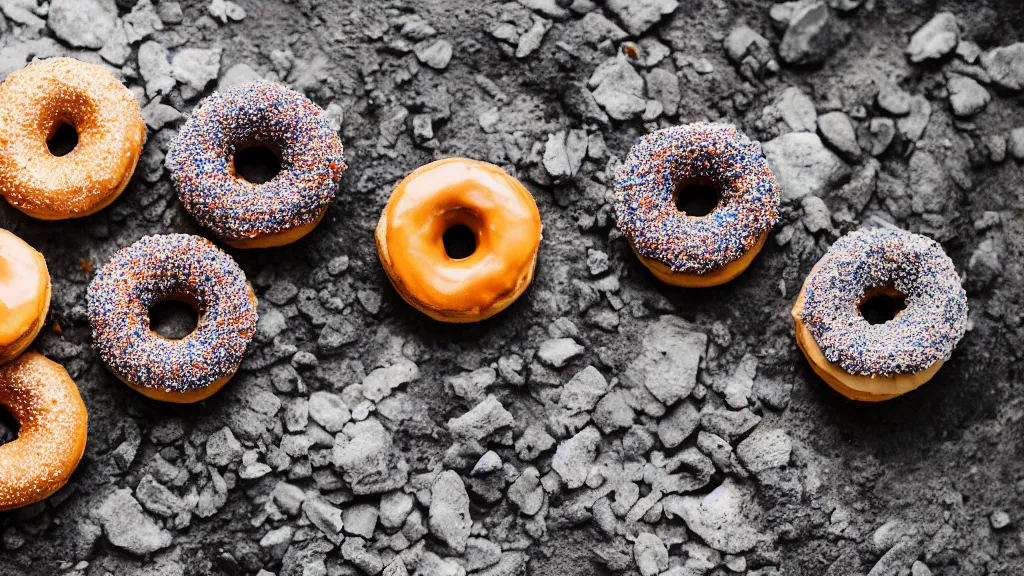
[604,424]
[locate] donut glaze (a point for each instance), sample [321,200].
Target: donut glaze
[696,251]
[877,362]
[34,102]
[184,268]
[52,430]
[243,214]
[499,211]
[24,295]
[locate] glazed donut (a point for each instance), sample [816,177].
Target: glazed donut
[37,100]
[52,430]
[696,251]
[243,214]
[874,362]
[506,229]
[184,268]
[24,295]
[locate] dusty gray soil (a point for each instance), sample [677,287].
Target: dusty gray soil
[272,474]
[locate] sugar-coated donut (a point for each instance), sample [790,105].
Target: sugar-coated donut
[691,251]
[34,102]
[184,268]
[874,362]
[496,208]
[24,295]
[243,214]
[52,430]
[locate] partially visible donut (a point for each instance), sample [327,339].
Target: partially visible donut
[274,213]
[178,267]
[874,362]
[37,100]
[24,295]
[696,251]
[52,430]
[498,212]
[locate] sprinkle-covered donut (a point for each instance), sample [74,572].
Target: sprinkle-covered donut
[184,268]
[24,295]
[694,251]
[34,103]
[874,362]
[494,210]
[243,214]
[52,427]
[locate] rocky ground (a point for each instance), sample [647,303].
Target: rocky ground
[604,424]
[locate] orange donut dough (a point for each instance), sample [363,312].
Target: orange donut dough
[53,425]
[24,295]
[714,278]
[496,208]
[34,102]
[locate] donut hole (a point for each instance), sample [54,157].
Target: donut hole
[8,426]
[173,319]
[257,162]
[881,304]
[459,241]
[63,139]
[696,197]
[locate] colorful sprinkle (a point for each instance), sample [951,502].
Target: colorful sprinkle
[925,332]
[645,196]
[171,267]
[311,161]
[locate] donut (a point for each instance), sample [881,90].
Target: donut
[52,426]
[34,103]
[696,250]
[239,212]
[875,362]
[24,295]
[499,213]
[177,267]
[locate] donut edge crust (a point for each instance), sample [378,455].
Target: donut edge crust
[717,277]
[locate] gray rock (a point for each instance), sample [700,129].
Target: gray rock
[196,67]
[920,569]
[999,519]
[365,457]
[816,218]
[797,109]
[619,89]
[276,541]
[288,498]
[1015,144]
[557,352]
[668,361]
[613,412]
[157,115]
[141,22]
[564,153]
[680,422]
[1006,65]
[728,424]
[650,554]
[360,520]
[434,53]
[155,68]
[170,12]
[737,387]
[489,462]
[511,564]
[82,23]
[663,86]
[116,49]
[966,96]
[534,441]
[637,16]
[808,39]
[897,559]
[764,450]
[803,165]
[157,499]
[128,527]
[837,130]
[481,553]
[532,39]
[526,492]
[222,448]
[380,383]
[325,517]
[549,8]
[449,518]
[422,128]
[574,457]
[929,186]
[483,420]
[876,137]
[913,125]
[394,509]
[722,519]
[894,100]
[984,267]
[584,390]
[751,52]
[237,75]
[938,37]
[329,411]
[472,385]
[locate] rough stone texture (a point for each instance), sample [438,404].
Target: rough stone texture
[333,327]
[935,39]
[449,511]
[82,23]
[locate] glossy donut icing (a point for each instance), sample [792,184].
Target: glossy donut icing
[24,295]
[34,102]
[499,211]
